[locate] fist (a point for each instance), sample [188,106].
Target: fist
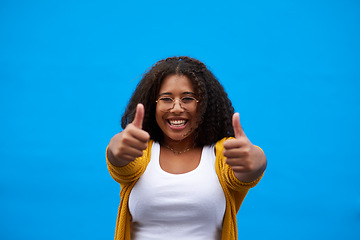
[129,144]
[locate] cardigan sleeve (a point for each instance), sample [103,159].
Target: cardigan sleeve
[131,171]
[227,173]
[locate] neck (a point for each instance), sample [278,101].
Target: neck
[176,151]
[179,147]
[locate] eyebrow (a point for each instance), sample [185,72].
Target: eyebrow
[184,93]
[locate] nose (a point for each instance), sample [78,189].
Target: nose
[177,106]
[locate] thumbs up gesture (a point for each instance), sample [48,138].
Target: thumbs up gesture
[129,144]
[246,160]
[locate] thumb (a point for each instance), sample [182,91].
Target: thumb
[238,131]
[139,116]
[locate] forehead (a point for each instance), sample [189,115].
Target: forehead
[176,84]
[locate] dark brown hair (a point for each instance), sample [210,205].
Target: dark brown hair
[215,108]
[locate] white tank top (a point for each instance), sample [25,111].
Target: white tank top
[167,206]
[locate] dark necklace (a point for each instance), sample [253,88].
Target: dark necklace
[178,152]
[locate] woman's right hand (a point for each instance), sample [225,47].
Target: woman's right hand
[129,144]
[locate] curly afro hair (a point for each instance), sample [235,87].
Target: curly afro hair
[215,108]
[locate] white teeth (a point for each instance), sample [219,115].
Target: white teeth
[177,122]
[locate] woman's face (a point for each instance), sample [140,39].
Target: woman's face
[180,121]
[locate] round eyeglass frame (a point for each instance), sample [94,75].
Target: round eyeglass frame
[181,103]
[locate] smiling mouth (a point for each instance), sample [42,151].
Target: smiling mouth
[177,123]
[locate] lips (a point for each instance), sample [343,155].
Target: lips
[177,122]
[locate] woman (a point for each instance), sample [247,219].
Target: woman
[183,161]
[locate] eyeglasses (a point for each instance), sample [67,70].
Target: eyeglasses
[187,103]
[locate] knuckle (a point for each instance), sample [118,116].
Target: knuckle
[144,136]
[121,150]
[138,154]
[126,139]
[250,166]
[147,136]
[115,152]
[245,151]
[236,168]
[144,146]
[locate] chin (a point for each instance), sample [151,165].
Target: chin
[182,136]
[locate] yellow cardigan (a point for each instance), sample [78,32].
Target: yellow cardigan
[234,190]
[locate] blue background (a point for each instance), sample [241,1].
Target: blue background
[68,68]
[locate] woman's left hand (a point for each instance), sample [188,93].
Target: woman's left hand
[246,160]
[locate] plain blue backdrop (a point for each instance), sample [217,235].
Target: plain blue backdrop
[68,68]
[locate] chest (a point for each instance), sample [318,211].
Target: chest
[179,163]
[194,199]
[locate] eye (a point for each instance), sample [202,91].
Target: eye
[188,99]
[166,99]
